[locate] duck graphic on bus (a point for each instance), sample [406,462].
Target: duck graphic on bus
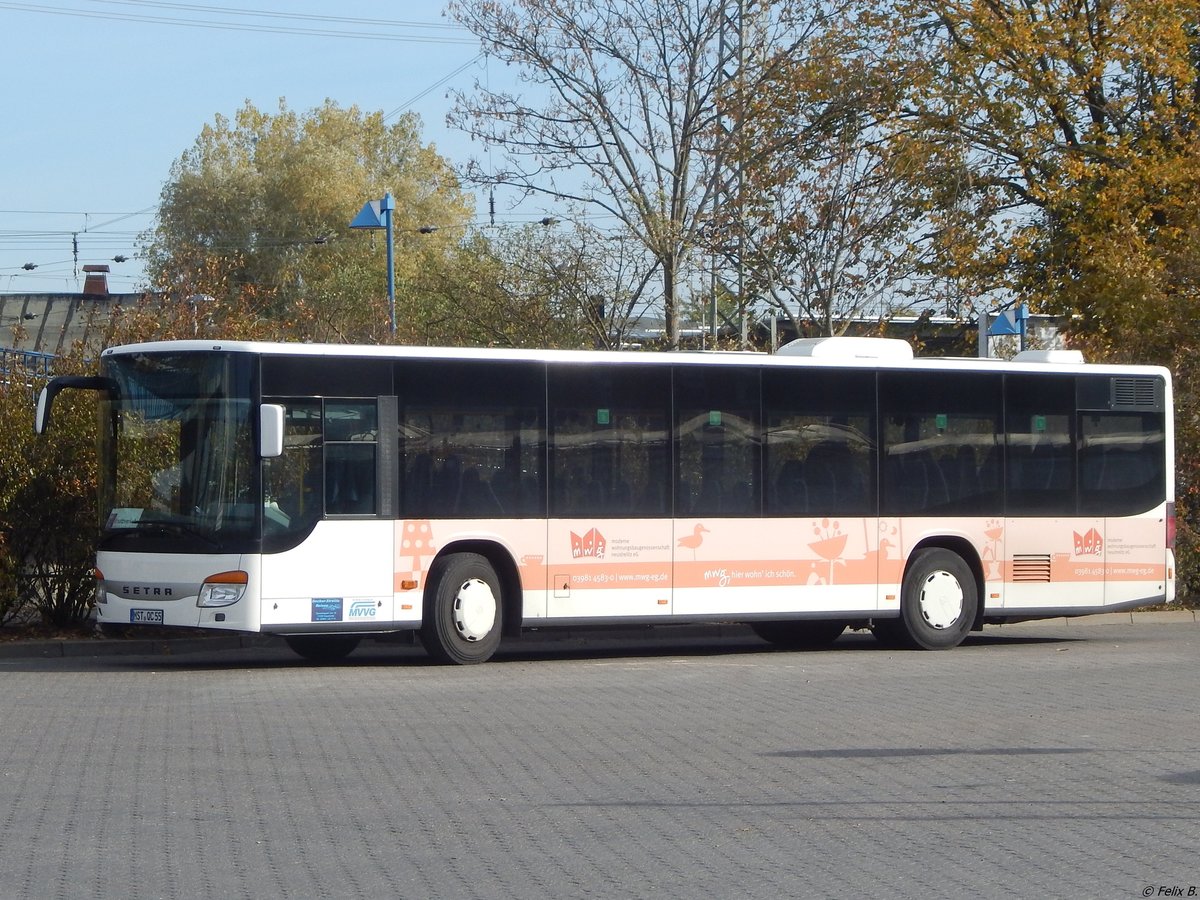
[694,540]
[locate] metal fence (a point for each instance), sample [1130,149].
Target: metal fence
[29,363]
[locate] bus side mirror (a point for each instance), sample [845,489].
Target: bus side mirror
[41,419]
[270,430]
[55,386]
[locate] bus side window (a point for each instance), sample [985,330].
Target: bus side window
[472,439]
[820,442]
[293,482]
[939,439]
[1122,459]
[610,452]
[351,430]
[1040,452]
[717,441]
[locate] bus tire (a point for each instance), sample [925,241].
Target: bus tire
[938,600]
[799,635]
[463,610]
[322,647]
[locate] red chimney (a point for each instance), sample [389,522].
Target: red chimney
[96,280]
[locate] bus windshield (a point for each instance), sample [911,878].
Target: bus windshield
[180,472]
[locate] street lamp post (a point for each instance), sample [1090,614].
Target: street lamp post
[378,214]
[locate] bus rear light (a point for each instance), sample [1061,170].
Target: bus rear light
[101,591]
[1170,524]
[222,589]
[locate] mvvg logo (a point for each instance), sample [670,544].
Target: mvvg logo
[362,609]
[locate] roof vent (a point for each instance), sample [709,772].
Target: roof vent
[849,348]
[1136,393]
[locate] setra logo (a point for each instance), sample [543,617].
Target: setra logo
[146,590]
[362,609]
[1089,544]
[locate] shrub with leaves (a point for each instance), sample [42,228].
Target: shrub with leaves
[47,505]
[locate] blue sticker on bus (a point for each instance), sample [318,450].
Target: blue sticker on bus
[327,609]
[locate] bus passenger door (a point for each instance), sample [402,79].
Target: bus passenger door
[329,532]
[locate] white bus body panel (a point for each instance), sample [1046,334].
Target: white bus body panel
[171,582]
[1134,563]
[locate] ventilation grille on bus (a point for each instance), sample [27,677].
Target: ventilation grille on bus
[1034,567]
[1137,393]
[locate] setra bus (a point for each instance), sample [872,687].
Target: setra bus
[326,493]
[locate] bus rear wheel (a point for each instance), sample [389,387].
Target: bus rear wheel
[938,600]
[799,635]
[463,610]
[322,647]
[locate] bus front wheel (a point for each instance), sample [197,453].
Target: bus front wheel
[938,600]
[463,613]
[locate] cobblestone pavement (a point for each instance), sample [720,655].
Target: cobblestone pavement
[1031,762]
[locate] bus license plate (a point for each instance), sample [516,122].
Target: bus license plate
[146,616]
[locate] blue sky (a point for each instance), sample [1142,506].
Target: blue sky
[99,97]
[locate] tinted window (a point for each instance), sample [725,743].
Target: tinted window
[820,442]
[718,441]
[351,429]
[472,439]
[1122,463]
[1040,466]
[609,440]
[320,376]
[941,450]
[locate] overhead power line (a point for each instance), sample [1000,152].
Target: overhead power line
[437,37]
[271,14]
[73,212]
[433,87]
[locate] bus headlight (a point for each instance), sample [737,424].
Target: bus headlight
[222,589]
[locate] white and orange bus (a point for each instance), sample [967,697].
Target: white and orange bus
[327,493]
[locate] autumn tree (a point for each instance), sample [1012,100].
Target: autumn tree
[617,116]
[1067,132]
[1035,108]
[264,201]
[830,207]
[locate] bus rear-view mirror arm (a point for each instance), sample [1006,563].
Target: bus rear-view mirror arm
[57,385]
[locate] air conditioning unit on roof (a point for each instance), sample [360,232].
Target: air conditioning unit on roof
[849,348]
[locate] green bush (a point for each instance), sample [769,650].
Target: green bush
[47,505]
